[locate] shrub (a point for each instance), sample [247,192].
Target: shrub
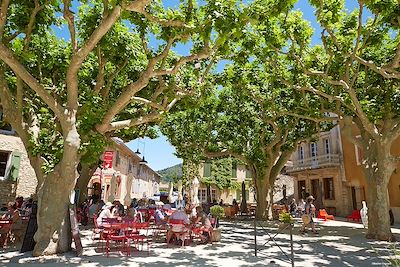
[217,211]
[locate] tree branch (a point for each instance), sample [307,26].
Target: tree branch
[69,17]
[7,56]
[83,52]
[100,75]
[140,7]
[3,16]
[386,73]
[151,117]
[110,80]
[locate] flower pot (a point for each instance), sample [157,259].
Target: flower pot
[216,235]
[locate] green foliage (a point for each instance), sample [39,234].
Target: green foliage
[286,217]
[217,211]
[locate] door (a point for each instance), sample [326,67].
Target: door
[301,189]
[316,193]
[354,197]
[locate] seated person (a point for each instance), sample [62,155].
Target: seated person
[181,215]
[159,216]
[12,215]
[106,212]
[205,224]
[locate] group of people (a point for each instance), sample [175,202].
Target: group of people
[195,217]
[305,210]
[13,213]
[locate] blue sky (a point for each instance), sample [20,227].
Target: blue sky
[158,152]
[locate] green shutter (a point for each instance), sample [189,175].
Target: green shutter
[248,173]
[14,168]
[234,171]
[207,169]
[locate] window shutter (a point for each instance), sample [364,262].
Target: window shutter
[207,170]
[14,167]
[234,171]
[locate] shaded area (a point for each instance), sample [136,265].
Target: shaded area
[338,244]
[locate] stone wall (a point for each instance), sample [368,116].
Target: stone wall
[26,182]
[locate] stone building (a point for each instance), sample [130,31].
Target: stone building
[17,177]
[124,176]
[240,173]
[329,168]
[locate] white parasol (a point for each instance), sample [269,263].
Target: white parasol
[195,188]
[127,199]
[170,190]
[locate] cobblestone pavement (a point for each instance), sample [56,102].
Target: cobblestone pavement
[338,243]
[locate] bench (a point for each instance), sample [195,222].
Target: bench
[322,214]
[354,216]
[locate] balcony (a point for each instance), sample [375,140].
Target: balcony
[324,161]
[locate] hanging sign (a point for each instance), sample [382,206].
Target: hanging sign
[108,159]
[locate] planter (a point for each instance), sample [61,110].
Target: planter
[216,235]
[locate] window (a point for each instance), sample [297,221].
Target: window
[130,166]
[4,156]
[234,170]
[359,155]
[207,169]
[202,195]
[300,152]
[327,146]
[3,125]
[117,159]
[329,190]
[313,149]
[248,173]
[214,194]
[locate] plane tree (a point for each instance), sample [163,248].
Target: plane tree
[355,72]
[66,96]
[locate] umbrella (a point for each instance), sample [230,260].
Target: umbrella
[127,199]
[170,196]
[113,182]
[243,204]
[180,197]
[195,190]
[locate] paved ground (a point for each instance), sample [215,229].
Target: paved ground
[337,244]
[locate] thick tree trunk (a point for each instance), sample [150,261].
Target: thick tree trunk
[378,212]
[83,181]
[261,192]
[378,169]
[53,234]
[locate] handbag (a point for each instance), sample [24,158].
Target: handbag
[306,219]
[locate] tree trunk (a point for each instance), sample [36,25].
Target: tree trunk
[54,228]
[378,212]
[261,192]
[83,180]
[378,170]
[53,234]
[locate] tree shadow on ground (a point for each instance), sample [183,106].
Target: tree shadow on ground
[334,246]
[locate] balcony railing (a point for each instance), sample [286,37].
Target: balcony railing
[327,160]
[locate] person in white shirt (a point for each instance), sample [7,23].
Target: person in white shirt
[105,213]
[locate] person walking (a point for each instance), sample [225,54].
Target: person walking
[307,218]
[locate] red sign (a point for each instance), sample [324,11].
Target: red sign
[108,159]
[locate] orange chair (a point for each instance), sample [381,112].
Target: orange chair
[322,214]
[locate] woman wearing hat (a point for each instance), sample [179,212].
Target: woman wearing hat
[309,212]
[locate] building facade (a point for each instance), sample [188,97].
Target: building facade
[123,176]
[17,177]
[283,187]
[329,168]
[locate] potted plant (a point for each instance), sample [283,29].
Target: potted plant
[217,212]
[286,219]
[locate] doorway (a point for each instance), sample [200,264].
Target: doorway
[301,188]
[316,193]
[354,197]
